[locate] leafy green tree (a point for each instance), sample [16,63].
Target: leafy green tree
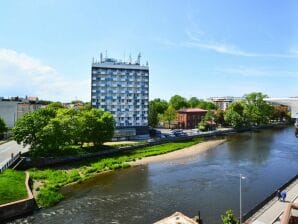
[193,102]
[229,218]
[170,115]
[3,128]
[61,130]
[207,122]
[160,105]
[178,102]
[219,117]
[235,116]
[55,105]
[97,126]
[49,130]
[257,110]
[29,129]
[152,115]
[206,105]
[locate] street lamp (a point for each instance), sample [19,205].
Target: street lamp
[241,178]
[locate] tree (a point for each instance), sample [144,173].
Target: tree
[235,116]
[193,102]
[49,130]
[257,110]
[229,218]
[206,105]
[280,113]
[207,122]
[3,128]
[160,105]
[219,117]
[152,114]
[55,105]
[29,129]
[178,102]
[170,115]
[97,126]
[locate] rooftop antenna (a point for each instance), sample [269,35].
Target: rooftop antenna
[124,57]
[100,57]
[92,63]
[129,58]
[139,59]
[106,54]
[147,64]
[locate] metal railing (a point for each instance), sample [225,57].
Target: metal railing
[8,162]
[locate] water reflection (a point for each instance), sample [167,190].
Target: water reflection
[209,183]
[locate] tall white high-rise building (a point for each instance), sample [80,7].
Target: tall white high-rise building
[123,89]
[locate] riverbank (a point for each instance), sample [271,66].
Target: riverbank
[48,182]
[179,154]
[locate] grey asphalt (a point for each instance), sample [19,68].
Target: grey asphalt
[10,147]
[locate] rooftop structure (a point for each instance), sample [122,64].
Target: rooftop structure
[224,102]
[177,218]
[122,88]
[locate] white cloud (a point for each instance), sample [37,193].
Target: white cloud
[27,75]
[199,42]
[259,72]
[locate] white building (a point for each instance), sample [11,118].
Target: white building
[224,102]
[13,109]
[123,89]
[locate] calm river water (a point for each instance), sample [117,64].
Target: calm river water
[208,182]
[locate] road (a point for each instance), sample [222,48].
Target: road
[10,147]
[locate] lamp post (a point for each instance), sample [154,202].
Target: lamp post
[241,178]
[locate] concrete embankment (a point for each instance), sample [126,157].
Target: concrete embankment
[20,207]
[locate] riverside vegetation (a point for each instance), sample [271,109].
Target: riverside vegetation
[51,180]
[12,186]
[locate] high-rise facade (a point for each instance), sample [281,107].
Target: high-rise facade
[123,89]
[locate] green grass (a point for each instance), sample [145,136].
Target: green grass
[12,186]
[54,179]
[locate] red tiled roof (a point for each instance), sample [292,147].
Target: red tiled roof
[192,110]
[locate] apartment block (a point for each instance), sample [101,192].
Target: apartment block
[122,88]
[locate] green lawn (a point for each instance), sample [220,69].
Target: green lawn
[12,186]
[54,179]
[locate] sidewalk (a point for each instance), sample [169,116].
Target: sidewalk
[273,210]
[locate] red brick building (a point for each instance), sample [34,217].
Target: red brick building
[189,118]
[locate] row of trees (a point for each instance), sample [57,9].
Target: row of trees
[251,111]
[50,129]
[161,110]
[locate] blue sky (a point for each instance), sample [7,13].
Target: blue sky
[194,48]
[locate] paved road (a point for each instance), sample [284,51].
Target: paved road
[10,147]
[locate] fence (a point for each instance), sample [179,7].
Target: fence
[8,162]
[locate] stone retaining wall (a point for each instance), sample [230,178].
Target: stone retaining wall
[20,207]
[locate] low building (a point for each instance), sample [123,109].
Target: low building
[190,117]
[14,108]
[224,102]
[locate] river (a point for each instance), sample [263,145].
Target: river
[208,182]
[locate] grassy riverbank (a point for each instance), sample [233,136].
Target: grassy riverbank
[12,186]
[50,181]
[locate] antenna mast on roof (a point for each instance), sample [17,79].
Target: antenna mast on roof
[139,59]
